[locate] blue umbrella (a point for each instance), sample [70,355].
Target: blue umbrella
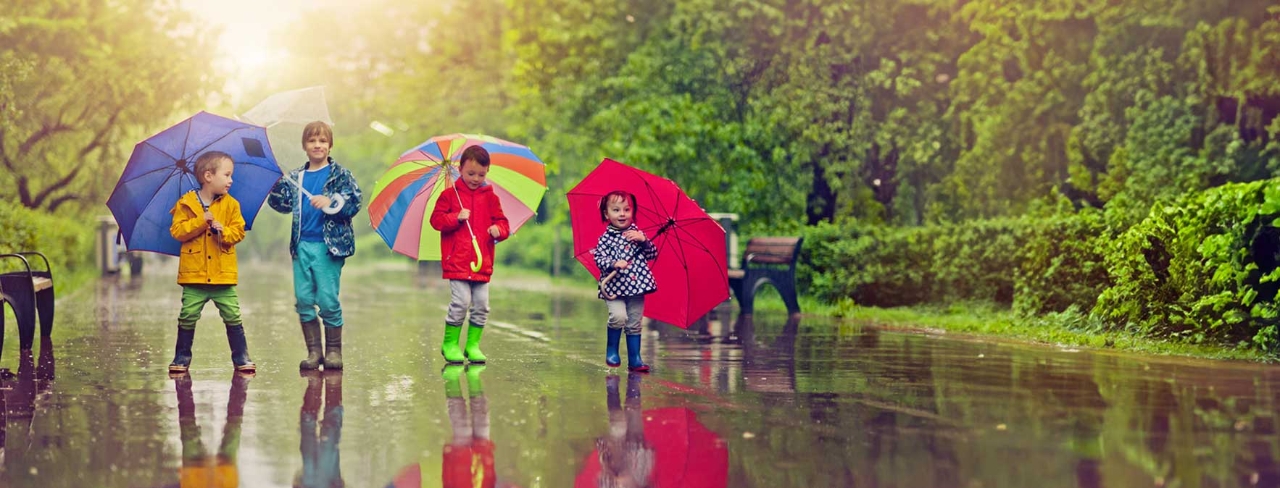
[160,172]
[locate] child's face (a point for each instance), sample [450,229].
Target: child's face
[218,181]
[619,212]
[317,147]
[473,174]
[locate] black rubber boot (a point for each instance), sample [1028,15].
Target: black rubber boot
[332,348]
[311,335]
[240,349]
[182,351]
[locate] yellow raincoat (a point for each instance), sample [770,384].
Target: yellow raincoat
[207,259]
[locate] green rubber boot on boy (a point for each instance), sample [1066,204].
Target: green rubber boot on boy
[449,348]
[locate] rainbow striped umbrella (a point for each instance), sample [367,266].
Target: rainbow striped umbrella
[400,209]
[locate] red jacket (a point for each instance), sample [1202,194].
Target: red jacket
[456,250]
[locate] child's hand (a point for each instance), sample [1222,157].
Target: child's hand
[217,227]
[621,264]
[634,235]
[495,231]
[208,217]
[320,201]
[464,215]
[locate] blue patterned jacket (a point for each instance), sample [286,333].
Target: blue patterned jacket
[338,235]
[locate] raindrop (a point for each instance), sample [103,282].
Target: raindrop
[1002,427]
[982,355]
[748,435]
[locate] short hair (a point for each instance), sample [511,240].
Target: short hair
[317,128]
[474,153]
[615,196]
[208,162]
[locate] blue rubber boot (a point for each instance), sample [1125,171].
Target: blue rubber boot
[611,358]
[634,363]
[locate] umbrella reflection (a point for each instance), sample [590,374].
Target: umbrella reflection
[199,468]
[661,448]
[17,404]
[320,456]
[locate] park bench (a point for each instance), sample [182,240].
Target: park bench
[27,292]
[770,260]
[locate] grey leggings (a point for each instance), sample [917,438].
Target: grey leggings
[625,313]
[464,295]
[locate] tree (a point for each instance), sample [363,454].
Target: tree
[99,72]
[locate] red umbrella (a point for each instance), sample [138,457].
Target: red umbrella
[685,453]
[690,270]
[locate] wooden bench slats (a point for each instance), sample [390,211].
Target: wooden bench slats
[41,283]
[772,250]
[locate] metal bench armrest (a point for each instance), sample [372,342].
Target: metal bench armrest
[19,256]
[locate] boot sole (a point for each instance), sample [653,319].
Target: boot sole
[178,369]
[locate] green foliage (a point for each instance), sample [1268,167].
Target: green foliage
[885,266]
[83,81]
[68,243]
[1204,270]
[1061,263]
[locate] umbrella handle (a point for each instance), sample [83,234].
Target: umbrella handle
[606,281]
[337,199]
[475,245]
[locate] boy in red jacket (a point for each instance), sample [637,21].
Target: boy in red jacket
[470,220]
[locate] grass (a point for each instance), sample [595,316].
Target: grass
[1064,329]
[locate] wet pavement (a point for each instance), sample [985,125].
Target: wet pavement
[765,402]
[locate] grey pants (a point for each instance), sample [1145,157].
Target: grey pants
[464,295]
[625,313]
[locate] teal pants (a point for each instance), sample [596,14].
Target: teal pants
[316,276]
[195,296]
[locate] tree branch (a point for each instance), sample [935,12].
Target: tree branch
[57,202]
[98,138]
[24,194]
[64,181]
[44,132]
[4,155]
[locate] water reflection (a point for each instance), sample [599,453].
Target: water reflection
[321,463]
[17,405]
[666,447]
[199,467]
[468,454]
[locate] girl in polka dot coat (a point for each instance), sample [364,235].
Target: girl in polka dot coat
[623,253]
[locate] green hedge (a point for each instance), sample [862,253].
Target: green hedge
[1204,269]
[1061,264]
[889,267]
[68,243]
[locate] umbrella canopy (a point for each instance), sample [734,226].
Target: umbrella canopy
[691,268]
[405,195]
[160,171]
[686,453]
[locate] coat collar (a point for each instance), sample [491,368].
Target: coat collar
[192,201]
[462,187]
[615,230]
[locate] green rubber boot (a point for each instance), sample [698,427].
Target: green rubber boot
[474,332]
[449,349]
